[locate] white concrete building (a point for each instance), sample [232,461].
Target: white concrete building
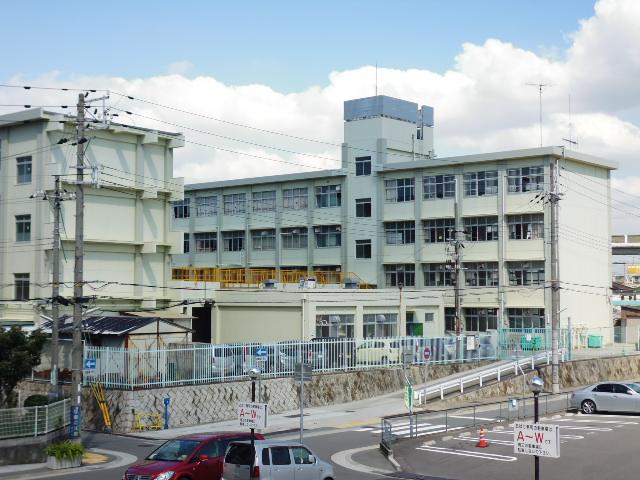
[386,217]
[127,220]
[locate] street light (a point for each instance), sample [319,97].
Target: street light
[536,385]
[254,374]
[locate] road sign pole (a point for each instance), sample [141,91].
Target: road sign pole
[301,406]
[536,459]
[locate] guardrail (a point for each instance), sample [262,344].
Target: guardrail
[33,421]
[397,427]
[205,363]
[481,375]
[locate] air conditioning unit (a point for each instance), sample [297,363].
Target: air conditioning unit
[270,284]
[351,283]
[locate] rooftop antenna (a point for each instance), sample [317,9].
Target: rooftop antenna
[540,87]
[570,140]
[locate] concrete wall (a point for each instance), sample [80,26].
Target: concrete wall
[196,404]
[15,451]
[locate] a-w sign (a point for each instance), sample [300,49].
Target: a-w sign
[538,439]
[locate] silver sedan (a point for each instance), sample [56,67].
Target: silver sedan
[607,397]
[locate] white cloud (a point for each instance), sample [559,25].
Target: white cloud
[482,104]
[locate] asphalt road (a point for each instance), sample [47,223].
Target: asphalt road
[592,447]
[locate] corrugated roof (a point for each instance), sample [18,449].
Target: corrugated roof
[108,325]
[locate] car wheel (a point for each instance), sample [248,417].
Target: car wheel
[588,406]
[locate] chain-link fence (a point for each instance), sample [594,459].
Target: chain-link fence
[33,421]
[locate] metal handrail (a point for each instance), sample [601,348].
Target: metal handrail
[479,375]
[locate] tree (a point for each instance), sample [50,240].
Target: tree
[19,353]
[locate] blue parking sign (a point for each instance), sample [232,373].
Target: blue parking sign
[89,363]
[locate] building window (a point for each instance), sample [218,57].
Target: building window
[400,275]
[328,196]
[526,273]
[235,203]
[263,239]
[400,190]
[205,242]
[181,208]
[400,233]
[293,238]
[429,317]
[526,227]
[23,169]
[480,319]
[233,241]
[481,274]
[186,243]
[206,206]
[363,248]
[363,166]
[450,319]
[481,229]
[525,179]
[438,186]
[437,275]
[526,317]
[363,207]
[23,228]
[414,328]
[379,325]
[21,281]
[295,198]
[264,201]
[439,230]
[478,184]
[328,236]
[334,326]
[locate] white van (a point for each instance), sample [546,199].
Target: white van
[274,461]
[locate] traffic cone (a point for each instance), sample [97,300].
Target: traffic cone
[482,441]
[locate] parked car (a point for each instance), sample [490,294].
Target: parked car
[223,361]
[197,457]
[274,461]
[378,350]
[607,397]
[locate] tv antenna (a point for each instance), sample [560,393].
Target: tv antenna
[540,87]
[570,139]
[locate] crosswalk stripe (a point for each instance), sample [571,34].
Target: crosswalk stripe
[510,432]
[474,418]
[469,453]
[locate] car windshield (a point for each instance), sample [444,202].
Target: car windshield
[174,451]
[634,386]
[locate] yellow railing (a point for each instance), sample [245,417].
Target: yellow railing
[257,276]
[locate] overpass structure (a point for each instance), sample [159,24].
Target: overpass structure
[625,244]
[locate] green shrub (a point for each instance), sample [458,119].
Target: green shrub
[36,401]
[65,450]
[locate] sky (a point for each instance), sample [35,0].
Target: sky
[267,80]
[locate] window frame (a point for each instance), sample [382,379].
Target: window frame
[24,170]
[340,325]
[363,166]
[331,236]
[482,318]
[262,236]
[525,179]
[263,201]
[295,198]
[437,275]
[526,273]
[525,226]
[438,230]
[438,187]
[186,242]
[481,229]
[363,206]
[296,238]
[205,242]
[400,233]
[234,203]
[328,196]
[23,227]
[480,184]
[233,240]
[207,206]
[363,247]
[396,273]
[379,325]
[526,317]
[22,282]
[181,208]
[486,274]
[400,190]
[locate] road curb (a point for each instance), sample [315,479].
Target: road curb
[344,459]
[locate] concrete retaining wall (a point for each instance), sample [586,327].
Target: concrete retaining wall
[15,451]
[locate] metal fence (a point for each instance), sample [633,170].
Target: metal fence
[205,363]
[396,427]
[33,421]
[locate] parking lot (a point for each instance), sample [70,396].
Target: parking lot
[597,446]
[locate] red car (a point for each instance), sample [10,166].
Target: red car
[189,457]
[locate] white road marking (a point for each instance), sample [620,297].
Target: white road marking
[591,429]
[491,440]
[471,418]
[606,416]
[573,420]
[405,431]
[469,453]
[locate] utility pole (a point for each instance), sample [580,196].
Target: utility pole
[554,198]
[77,353]
[58,197]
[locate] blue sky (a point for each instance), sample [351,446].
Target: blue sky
[286,45]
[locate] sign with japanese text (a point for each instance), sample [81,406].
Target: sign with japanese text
[538,439]
[252,415]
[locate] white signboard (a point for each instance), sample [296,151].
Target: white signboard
[252,415]
[471,342]
[536,439]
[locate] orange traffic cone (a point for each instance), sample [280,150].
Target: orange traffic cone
[482,441]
